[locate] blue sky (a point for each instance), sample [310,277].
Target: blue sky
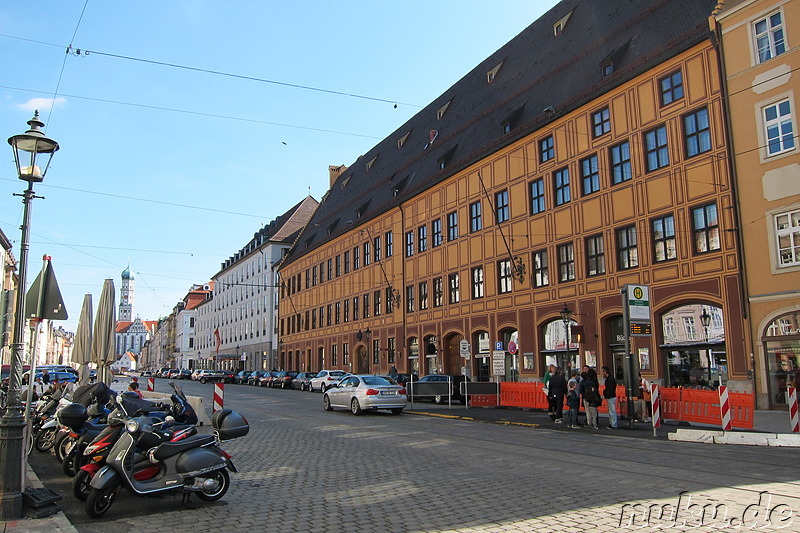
[173,169]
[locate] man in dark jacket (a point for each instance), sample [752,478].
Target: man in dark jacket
[610,394]
[557,390]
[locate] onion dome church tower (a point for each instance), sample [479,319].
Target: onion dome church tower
[126,296]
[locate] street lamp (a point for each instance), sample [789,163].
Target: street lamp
[566,317]
[705,319]
[33,152]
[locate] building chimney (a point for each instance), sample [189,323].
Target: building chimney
[335,172]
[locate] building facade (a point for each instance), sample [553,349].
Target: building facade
[761,57]
[237,322]
[587,154]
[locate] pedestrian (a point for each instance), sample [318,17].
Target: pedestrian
[134,387]
[643,406]
[558,388]
[591,401]
[573,402]
[45,377]
[38,388]
[393,370]
[610,394]
[546,389]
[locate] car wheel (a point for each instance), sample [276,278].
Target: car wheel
[355,407]
[326,403]
[323,388]
[397,410]
[203,380]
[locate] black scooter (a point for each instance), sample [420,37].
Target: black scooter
[194,465]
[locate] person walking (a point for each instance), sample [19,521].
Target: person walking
[546,389]
[591,401]
[558,388]
[45,377]
[610,394]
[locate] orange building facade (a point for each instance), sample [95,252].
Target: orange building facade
[624,184]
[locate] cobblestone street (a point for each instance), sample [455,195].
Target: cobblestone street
[304,469]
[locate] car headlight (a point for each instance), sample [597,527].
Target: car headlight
[132,426]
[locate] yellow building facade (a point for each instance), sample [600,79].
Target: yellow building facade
[761,58]
[627,184]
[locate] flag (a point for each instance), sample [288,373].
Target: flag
[218,339]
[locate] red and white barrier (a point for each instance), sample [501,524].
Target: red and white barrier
[725,409]
[219,393]
[151,384]
[656,402]
[794,418]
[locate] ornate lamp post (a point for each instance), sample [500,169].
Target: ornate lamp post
[33,152]
[566,317]
[705,320]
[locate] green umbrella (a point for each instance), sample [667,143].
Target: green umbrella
[81,350]
[103,339]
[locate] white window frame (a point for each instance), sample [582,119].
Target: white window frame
[778,121]
[769,33]
[793,216]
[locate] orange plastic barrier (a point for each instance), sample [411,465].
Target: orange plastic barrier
[683,405]
[483,400]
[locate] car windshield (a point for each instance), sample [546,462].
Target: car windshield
[378,380]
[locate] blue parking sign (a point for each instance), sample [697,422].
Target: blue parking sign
[499,346]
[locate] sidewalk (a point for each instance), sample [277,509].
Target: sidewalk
[55,523]
[764,421]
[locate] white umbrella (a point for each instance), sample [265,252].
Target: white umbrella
[103,340]
[81,351]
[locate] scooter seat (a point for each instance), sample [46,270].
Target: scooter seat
[90,426]
[168,449]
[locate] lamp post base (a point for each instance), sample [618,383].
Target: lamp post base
[12,427]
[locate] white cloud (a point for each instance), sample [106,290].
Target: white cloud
[42,104]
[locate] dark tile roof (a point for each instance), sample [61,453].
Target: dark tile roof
[539,71]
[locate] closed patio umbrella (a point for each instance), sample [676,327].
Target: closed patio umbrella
[103,339]
[81,351]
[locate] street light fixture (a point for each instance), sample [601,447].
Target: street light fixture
[705,319]
[566,317]
[33,152]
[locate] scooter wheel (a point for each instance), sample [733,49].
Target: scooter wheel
[99,501]
[68,465]
[81,485]
[45,439]
[63,441]
[223,481]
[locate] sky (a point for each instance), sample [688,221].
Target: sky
[185,126]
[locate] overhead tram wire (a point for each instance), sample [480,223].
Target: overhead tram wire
[64,63]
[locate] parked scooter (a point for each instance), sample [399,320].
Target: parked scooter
[193,465]
[91,454]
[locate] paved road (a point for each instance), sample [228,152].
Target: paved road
[304,469]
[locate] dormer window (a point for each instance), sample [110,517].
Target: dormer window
[445,158]
[346,181]
[558,27]
[442,110]
[492,74]
[371,162]
[402,140]
[606,68]
[509,121]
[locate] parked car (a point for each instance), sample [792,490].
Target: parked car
[204,376]
[184,374]
[230,376]
[403,379]
[255,377]
[325,379]
[455,380]
[241,377]
[283,379]
[162,372]
[146,374]
[57,375]
[173,373]
[302,380]
[360,392]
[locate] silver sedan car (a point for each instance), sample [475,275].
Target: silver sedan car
[361,392]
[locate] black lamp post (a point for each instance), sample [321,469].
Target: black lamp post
[705,320]
[566,317]
[33,152]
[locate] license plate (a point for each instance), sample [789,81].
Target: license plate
[388,393]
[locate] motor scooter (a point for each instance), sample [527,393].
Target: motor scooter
[193,465]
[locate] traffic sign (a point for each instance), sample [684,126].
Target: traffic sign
[512,347]
[464,348]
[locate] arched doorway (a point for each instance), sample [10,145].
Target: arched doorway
[481,350]
[558,349]
[453,362]
[362,360]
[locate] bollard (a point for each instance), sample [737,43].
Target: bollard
[725,408]
[656,402]
[151,384]
[219,392]
[794,420]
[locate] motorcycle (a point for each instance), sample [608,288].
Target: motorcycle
[194,465]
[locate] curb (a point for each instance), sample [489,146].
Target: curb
[747,439]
